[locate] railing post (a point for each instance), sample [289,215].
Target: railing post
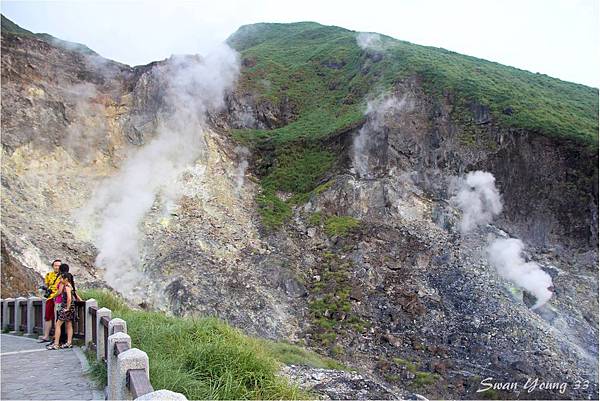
[162,395]
[7,314]
[31,315]
[131,359]
[100,331]
[18,302]
[112,373]
[116,322]
[88,321]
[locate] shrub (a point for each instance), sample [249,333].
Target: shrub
[340,225]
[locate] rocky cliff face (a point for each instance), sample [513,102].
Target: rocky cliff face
[67,126]
[371,269]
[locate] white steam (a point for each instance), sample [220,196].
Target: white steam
[478,199]
[87,124]
[505,256]
[193,86]
[240,171]
[369,41]
[371,134]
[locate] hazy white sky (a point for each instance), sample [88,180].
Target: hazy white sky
[559,38]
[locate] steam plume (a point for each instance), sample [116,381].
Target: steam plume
[371,134]
[369,41]
[193,87]
[478,199]
[240,171]
[505,256]
[90,130]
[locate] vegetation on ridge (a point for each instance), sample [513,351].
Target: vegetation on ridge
[9,27]
[324,77]
[324,73]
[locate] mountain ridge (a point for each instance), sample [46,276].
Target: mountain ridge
[9,27]
[507,115]
[334,229]
[515,98]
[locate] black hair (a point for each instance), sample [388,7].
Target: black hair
[69,277]
[55,260]
[64,268]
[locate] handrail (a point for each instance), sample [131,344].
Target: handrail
[104,322]
[138,383]
[27,315]
[120,348]
[93,311]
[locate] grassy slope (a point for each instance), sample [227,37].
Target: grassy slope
[207,359]
[296,60]
[325,75]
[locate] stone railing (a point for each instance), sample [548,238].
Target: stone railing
[127,368]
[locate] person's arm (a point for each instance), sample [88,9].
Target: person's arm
[54,294]
[45,283]
[69,298]
[78,297]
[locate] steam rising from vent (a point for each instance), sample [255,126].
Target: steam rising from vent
[193,87]
[90,131]
[369,41]
[505,256]
[371,134]
[478,199]
[240,171]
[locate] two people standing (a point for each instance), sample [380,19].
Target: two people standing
[60,291]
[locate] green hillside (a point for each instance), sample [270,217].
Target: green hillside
[326,77]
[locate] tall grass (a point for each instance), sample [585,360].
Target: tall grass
[204,358]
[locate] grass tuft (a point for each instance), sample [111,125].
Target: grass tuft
[97,369]
[340,225]
[293,355]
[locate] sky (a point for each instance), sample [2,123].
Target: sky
[559,38]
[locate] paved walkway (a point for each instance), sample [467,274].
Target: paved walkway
[30,372]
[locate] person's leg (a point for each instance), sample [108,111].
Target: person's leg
[57,331]
[49,318]
[63,334]
[47,327]
[69,324]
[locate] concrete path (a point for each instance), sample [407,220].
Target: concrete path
[30,372]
